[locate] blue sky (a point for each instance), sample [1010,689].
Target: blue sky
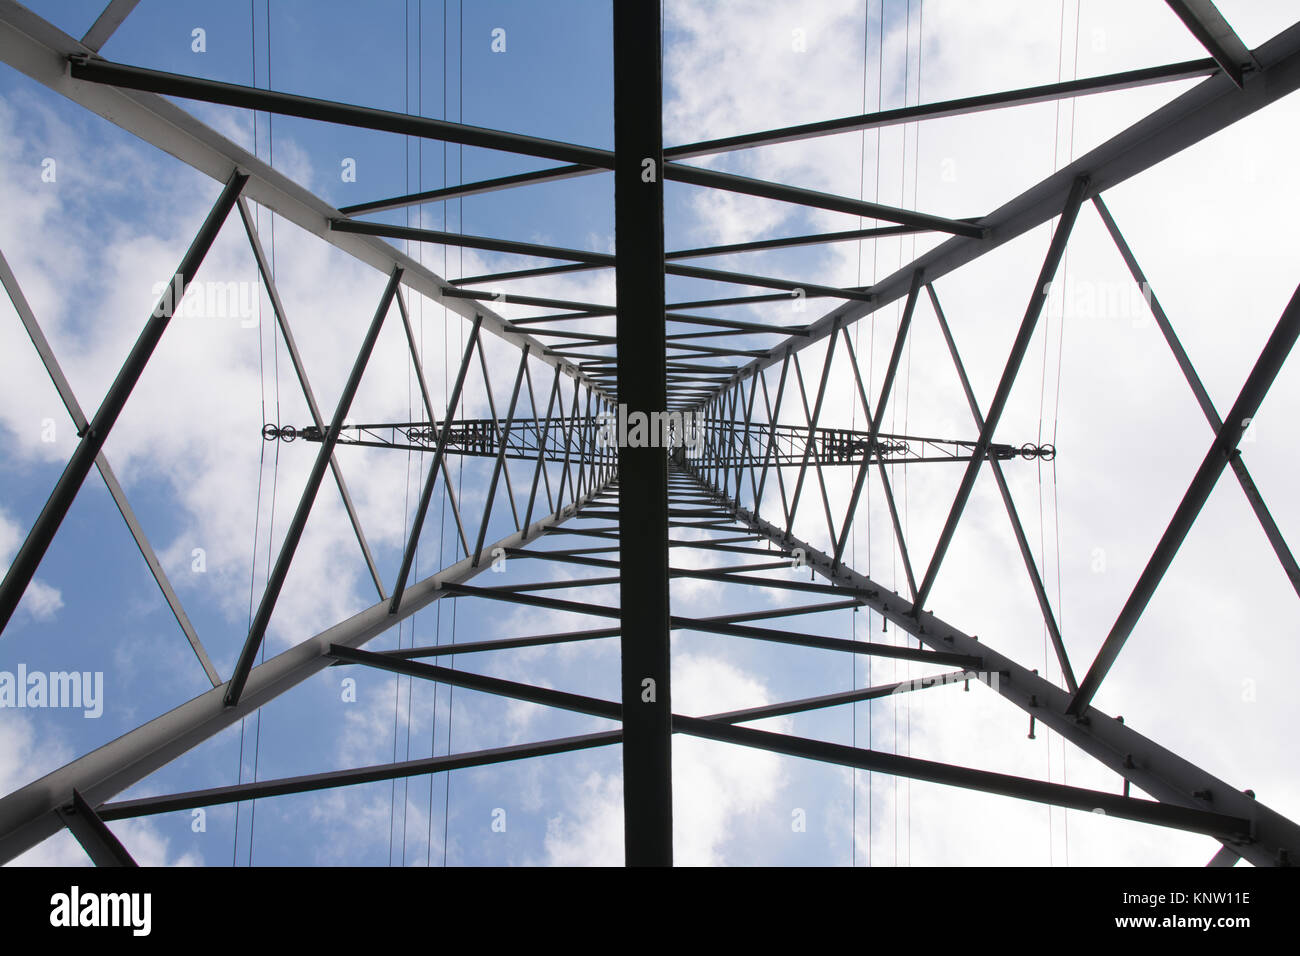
[89,247]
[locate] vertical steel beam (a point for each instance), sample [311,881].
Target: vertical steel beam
[642,472]
[83,458]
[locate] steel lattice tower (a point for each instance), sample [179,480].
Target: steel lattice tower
[669,432]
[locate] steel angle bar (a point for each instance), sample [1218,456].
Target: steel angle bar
[30,814]
[792,285]
[504,643]
[37,542]
[812,425]
[874,421]
[540,469]
[1273,839]
[1222,449]
[1225,857]
[1037,300]
[41,51]
[1271,530]
[1209,27]
[1222,825]
[471,189]
[579,703]
[122,76]
[100,843]
[61,385]
[503,441]
[1127,80]
[716,179]
[1212,105]
[469,242]
[106,24]
[843,697]
[145,806]
[308,783]
[298,524]
[300,370]
[418,365]
[848,235]
[821,642]
[426,493]
[1026,553]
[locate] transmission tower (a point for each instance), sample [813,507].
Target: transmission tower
[654,441]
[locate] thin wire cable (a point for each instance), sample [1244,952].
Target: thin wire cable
[871,377]
[460,465]
[1056,415]
[442,525]
[417,305]
[853,538]
[275,467]
[257,520]
[261,462]
[406,502]
[1042,400]
[907,408]
[410,405]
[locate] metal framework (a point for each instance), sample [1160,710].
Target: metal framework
[518,439]
[749,446]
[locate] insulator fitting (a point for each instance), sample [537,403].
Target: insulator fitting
[1030,451]
[285,433]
